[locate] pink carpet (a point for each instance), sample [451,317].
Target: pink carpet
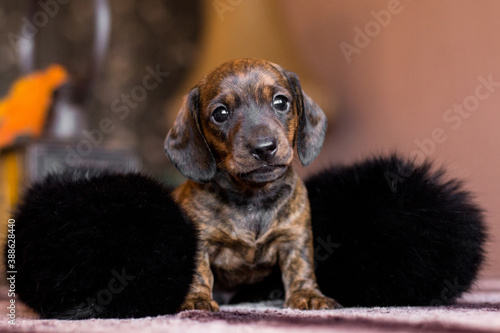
[476,312]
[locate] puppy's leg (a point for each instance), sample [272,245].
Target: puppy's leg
[200,294]
[297,266]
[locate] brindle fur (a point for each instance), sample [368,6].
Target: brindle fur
[249,220]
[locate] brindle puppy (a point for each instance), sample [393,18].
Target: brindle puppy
[234,139]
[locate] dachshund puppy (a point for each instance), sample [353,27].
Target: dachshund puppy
[234,139]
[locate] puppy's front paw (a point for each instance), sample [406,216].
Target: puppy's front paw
[310,300]
[200,302]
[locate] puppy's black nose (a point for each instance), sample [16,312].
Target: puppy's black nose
[264,148]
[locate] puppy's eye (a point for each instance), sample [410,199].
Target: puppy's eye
[281,103]
[220,114]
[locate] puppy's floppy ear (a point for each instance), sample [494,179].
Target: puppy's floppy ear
[185,144]
[312,122]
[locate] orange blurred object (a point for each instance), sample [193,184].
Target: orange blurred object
[24,110]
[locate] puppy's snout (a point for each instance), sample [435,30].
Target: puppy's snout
[264,149]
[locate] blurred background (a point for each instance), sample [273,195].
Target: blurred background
[417,77]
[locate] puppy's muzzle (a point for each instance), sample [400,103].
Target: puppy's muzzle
[264,149]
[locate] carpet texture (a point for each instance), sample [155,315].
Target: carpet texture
[477,311]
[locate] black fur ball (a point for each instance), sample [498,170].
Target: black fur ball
[388,232]
[102,245]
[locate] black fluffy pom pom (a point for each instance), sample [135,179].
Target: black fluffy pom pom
[102,245]
[388,232]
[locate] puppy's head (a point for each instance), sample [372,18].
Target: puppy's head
[245,118]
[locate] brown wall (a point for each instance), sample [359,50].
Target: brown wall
[395,91]
[403,85]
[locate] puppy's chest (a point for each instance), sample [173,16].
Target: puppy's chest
[244,238]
